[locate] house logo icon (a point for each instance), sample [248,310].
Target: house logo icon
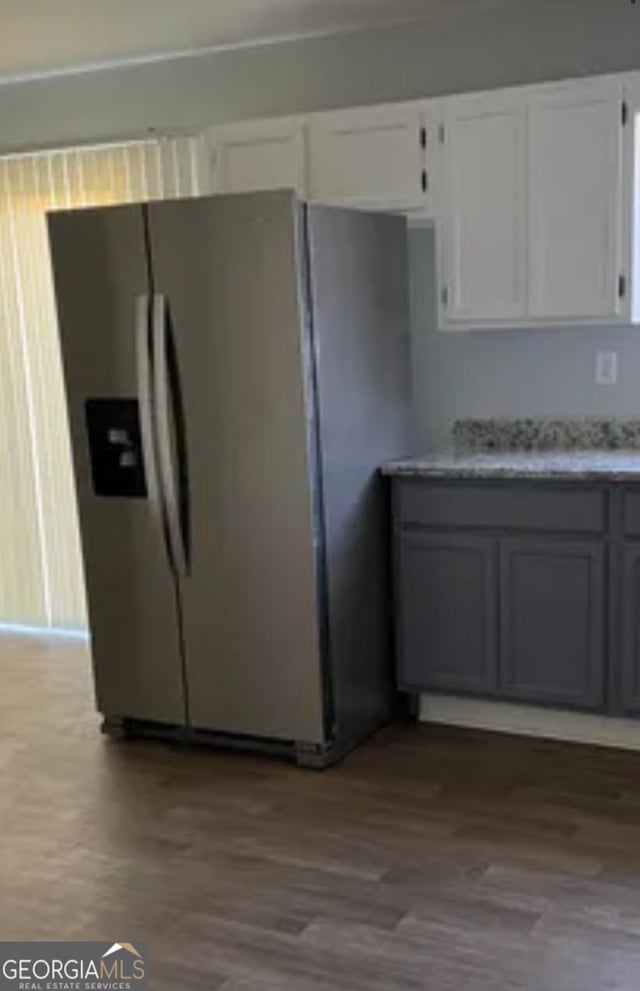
[116,947]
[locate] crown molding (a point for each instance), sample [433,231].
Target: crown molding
[204,51]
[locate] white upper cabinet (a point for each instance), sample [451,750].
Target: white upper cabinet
[370,157]
[258,155]
[483,234]
[575,200]
[531,189]
[535,207]
[631,185]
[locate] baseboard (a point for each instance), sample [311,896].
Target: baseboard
[525,720]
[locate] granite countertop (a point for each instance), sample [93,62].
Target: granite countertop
[585,465]
[574,449]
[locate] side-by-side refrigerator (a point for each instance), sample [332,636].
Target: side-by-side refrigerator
[236,371]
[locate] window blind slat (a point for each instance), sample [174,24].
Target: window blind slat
[22,581]
[41,580]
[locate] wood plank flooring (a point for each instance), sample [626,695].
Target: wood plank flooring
[431,859]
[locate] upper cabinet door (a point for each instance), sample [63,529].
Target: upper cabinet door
[575,199]
[370,157]
[483,256]
[258,155]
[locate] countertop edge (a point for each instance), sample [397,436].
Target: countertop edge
[599,465]
[479,474]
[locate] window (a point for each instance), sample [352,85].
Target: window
[41,582]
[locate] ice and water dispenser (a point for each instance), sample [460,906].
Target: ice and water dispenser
[115,448]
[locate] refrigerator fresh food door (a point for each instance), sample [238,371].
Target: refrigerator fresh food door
[228,271]
[104,309]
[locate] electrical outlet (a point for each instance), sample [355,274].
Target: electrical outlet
[607,368]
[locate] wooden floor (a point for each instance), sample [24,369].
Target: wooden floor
[431,859]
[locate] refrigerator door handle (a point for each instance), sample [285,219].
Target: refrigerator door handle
[144,377]
[169,479]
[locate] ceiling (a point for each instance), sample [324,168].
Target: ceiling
[43,36]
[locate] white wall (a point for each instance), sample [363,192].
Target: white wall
[467,44]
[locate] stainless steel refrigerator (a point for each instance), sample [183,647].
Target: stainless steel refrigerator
[236,370]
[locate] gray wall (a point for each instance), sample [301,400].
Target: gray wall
[535,372]
[463,44]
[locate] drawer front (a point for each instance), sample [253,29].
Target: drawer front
[508,505]
[631,513]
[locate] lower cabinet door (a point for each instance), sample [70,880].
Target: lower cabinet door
[447,598]
[552,636]
[630,633]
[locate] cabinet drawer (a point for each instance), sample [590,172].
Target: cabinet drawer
[505,505]
[631,513]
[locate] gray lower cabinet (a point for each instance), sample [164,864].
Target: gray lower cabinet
[629,613]
[520,591]
[447,601]
[552,630]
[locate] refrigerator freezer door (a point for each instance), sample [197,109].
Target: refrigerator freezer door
[229,268]
[101,281]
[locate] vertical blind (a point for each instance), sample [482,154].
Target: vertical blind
[41,579]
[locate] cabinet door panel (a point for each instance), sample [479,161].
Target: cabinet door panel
[552,621]
[575,176]
[370,157]
[259,155]
[630,613]
[447,589]
[484,168]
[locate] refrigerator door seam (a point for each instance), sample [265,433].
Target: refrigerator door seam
[158,316]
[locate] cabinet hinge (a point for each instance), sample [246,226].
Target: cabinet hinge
[625,113]
[622,286]
[441,134]
[423,137]
[444,296]
[425,181]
